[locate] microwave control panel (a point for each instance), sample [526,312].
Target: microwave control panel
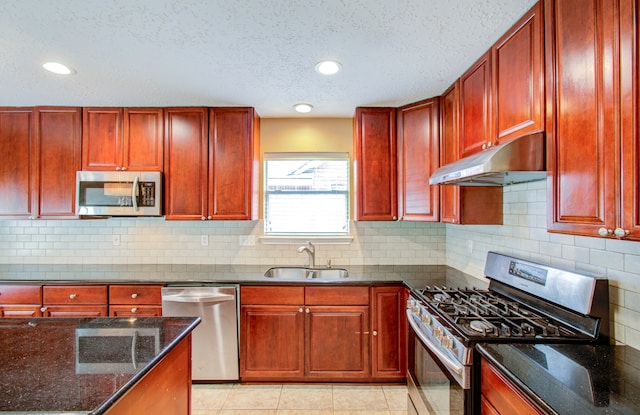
[147,194]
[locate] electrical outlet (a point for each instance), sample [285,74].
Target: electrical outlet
[116,240]
[204,240]
[247,240]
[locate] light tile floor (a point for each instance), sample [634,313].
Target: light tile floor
[308,399]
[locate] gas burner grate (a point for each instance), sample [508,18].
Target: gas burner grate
[485,314]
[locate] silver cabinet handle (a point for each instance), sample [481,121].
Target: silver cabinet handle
[307,311]
[300,310]
[134,295]
[604,231]
[621,233]
[134,310]
[375,333]
[73,296]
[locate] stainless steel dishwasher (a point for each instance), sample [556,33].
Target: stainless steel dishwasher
[215,339]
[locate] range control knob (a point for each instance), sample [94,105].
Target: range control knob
[447,342]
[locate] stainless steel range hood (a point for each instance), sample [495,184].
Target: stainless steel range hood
[518,161]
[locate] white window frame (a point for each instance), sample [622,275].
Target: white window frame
[318,237]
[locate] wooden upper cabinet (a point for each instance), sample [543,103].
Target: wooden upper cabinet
[39,153]
[122,139]
[211,163]
[17,166]
[375,171]
[234,154]
[418,149]
[143,143]
[630,134]
[518,79]
[475,107]
[58,132]
[463,204]
[449,151]
[583,105]
[186,163]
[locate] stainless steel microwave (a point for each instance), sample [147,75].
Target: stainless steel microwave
[118,193]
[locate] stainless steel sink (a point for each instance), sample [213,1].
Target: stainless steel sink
[301,273]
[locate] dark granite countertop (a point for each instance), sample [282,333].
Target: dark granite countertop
[415,276]
[569,379]
[39,372]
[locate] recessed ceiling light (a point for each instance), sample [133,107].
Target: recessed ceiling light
[328,67]
[58,68]
[303,107]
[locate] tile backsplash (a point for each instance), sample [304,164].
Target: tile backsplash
[156,241]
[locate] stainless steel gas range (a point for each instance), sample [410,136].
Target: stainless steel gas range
[525,302]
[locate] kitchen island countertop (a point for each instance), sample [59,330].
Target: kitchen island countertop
[569,379]
[41,372]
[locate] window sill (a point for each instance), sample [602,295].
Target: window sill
[295,239]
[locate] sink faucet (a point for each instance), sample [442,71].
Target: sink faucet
[310,249]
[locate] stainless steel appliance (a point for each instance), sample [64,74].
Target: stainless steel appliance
[215,340]
[118,193]
[525,302]
[114,346]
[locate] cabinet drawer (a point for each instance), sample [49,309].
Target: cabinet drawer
[336,296]
[20,294]
[74,294]
[272,295]
[135,294]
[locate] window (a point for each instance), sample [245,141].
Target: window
[306,194]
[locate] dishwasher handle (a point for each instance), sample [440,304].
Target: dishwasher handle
[202,298]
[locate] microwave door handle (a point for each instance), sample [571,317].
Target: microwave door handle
[134,193]
[134,341]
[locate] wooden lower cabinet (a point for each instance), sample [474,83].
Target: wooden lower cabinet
[337,342]
[20,300]
[166,390]
[500,396]
[74,301]
[313,333]
[135,300]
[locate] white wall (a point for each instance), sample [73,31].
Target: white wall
[524,235]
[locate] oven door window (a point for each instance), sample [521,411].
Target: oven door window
[435,387]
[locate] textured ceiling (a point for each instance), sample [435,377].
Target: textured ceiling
[258,53]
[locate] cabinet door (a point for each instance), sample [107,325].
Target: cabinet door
[449,151]
[58,132]
[475,107]
[16,163]
[20,311]
[186,147]
[518,78]
[233,158]
[418,146]
[75,311]
[101,138]
[337,342]
[630,99]
[135,311]
[375,164]
[388,333]
[580,37]
[143,142]
[272,343]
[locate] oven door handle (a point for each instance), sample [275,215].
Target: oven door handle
[456,367]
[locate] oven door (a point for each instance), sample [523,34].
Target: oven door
[432,388]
